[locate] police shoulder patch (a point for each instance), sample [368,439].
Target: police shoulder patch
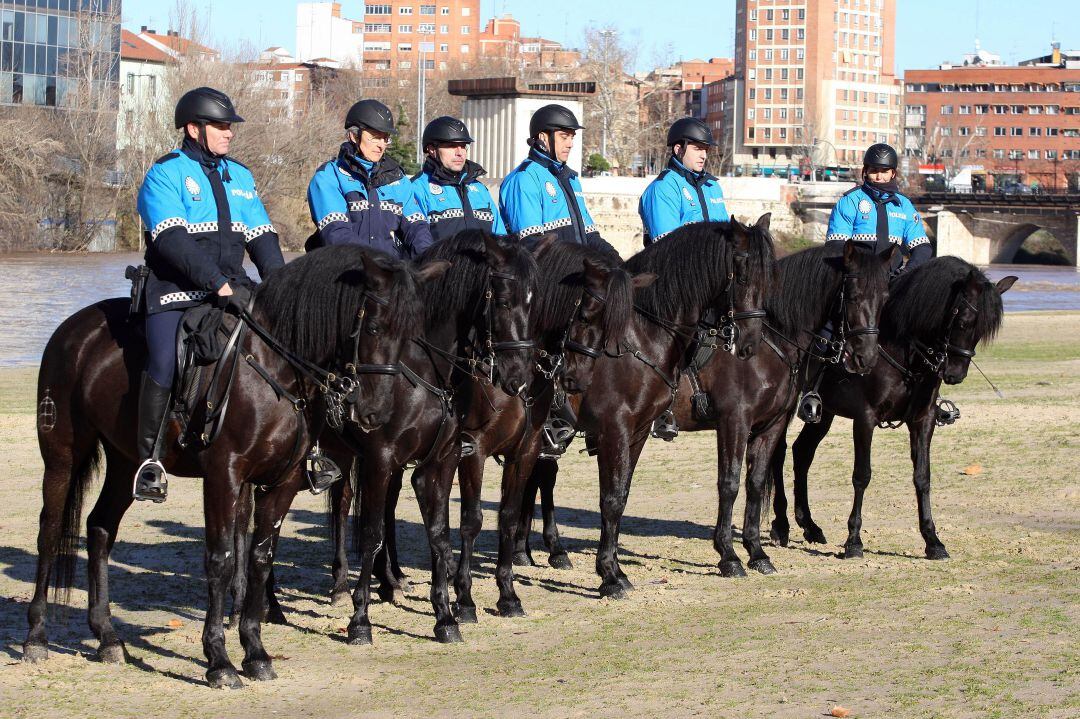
[435,188]
[192,186]
[550,189]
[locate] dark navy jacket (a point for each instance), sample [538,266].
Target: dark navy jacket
[356,202]
[679,197]
[534,200]
[453,204]
[200,214]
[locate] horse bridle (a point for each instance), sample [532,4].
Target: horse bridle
[936,356]
[845,330]
[728,330]
[492,348]
[557,359]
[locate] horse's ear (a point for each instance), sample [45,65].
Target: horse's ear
[763,222]
[594,269]
[643,280]
[1005,283]
[973,281]
[493,253]
[545,242]
[432,270]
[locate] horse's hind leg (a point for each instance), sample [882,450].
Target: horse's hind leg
[557,556]
[730,450]
[522,550]
[470,481]
[780,529]
[921,432]
[242,542]
[102,526]
[373,479]
[802,456]
[432,482]
[392,582]
[221,498]
[340,498]
[760,455]
[863,429]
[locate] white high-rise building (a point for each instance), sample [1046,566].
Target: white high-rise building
[323,34]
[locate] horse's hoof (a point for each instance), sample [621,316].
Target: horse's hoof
[510,609]
[391,594]
[226,678]
[814,535]
[465,613]
[359,636]
[523,559]
[625,583]
[448,634]
[112,653]
[339,595]
[731,568]
[937,552]
[762,565]
[780,535]
[613,590]
[34,653]
[852,551]
[260,671]
[274,615]
[560,561]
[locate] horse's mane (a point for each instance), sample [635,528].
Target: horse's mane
[921,301]
[310,304]
[808,284]
[460,287]
[561,277]
[692,266]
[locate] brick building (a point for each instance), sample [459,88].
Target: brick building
[395,33]
[1003,124]
[813,78]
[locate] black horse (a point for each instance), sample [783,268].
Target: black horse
[728,267]
[331,310]
[935,317]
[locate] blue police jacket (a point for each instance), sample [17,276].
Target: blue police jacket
[880,217]
[200,213]
[453,203]
[678,197]
[357,202]
[534,200]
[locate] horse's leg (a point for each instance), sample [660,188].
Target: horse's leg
[372,481]
[780,529]
[70,455]
[731,440]
[557,556]
[392,582]
[761,454]
[340,499]
[516,474]
[470,482]
[863,431]
[432,483]
[242,543]
[522,550]
[921,432]
[221,500]
[802,456]
[270,509]
[101,530]
[616,458]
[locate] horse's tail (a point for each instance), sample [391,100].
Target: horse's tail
[71,525]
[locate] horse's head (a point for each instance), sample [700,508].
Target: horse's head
[509,336]
[863,292]
[976,312]
[387,315]
[752,275]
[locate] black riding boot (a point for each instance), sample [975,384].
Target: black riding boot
[150,480]
[559,431]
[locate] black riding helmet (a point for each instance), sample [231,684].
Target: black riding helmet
[445,129]
[202,105]
[881,155]
[548,119]
[689,129]
[371,115]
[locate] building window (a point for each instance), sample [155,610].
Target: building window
[1051,155]
[404,10]
[946,109]
[999,132]
[753,54]
[1052,132]
[443,47]
[427,28]
[1035,131]
[945,131]
[999,154]
[981,152]
[464,49]
[1034,109]
[405,65]
[965,109]
[1051,109]
[1016,154]
[464,29]
[980,132]
[427,9]
[768,54]
[404,47]
[753,35]
[465,12]
[444,11]
[378,9]
[376,27]
[753,94]
[404,29]
[444,29]
[1017,132]
[964,131]
[1033,154]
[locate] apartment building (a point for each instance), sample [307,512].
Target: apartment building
[447,32]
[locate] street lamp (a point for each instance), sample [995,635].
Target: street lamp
[421,92]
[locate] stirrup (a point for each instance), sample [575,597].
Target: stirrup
[557,434]
[946,412]
[810,407]
[320,471]
[665,427]
[468,445]
[151,482]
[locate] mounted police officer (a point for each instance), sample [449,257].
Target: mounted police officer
[201,211]
[876,214]
[543,195]
[362,196]
[448,188]
[683,193]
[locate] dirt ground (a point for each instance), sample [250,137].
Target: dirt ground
[989,633]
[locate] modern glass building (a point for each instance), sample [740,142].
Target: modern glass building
[46,44]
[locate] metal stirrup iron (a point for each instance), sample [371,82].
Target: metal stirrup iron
[320,471]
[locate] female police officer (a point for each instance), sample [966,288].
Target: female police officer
[201,211]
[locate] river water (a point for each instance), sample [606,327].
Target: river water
[43,289]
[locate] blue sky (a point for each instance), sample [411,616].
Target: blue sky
[928,32]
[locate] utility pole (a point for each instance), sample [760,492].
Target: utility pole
[421,96]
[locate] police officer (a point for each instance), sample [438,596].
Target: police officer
[876,214]
[448,188]
[201,211]
[362,196]
[542,194]
[683,192]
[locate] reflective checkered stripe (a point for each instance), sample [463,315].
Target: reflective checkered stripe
[546,227]
[192,296]
[590,228]
[167,224]
[387,206]
[662,235]
[333,217]
[484,215]
[359,206]
[198,228]
[250,233]
[452,213]
[858,238]
[924,240]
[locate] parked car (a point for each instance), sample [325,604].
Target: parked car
[1013,188]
